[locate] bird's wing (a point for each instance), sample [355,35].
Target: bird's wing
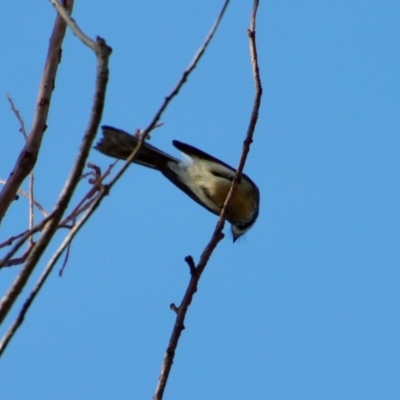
[192,151]
[217,169]
[204,202]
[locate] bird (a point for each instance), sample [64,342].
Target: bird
[204,178]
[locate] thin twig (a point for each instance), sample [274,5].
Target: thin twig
[217,235]
[65,14]
[83,205]
[19,260]
[12,239]
[189,70]
[65,259]
[87,200]
[22,239]
[31,203]
[26,195]
[31,176]
[18,115]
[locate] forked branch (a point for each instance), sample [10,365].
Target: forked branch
[50,225]
[52,222]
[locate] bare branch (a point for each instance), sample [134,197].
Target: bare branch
[197,271]
[12,239]
[65,14]
[31,203]
[253,19]
[18,115]
[192,266]
[22,239]
[43,277]
[19,260]
[190,68]
[27,195]
[31,176]
[102,52]
[65,259]
[87,200]
[82,206]
[103,191]
[27,158]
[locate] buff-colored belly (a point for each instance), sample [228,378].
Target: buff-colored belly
[241,205]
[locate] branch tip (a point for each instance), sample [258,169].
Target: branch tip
[189,260]
[174,308]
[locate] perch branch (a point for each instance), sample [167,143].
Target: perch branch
[198,270]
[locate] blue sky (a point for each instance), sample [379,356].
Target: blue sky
[306,305]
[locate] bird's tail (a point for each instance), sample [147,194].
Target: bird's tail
[119,144]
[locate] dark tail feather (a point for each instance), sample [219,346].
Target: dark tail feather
[119,144]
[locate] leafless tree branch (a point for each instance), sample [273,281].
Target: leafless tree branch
[66,16]
[27,157]
[18,115]
[22,238]
[19,260]
[196,271]
[12,239]
[102,53]
[31,204]
[27,195]
[31,176]
[82,206]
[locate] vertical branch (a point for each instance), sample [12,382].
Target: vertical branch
[18,115]
[31,203]
[197,271]
[31,177]
[256,75]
